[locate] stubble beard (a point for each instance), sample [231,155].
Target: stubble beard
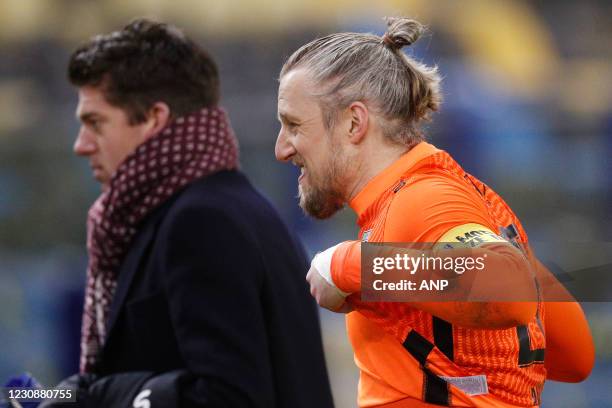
[323,197]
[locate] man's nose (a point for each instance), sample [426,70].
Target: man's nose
[283,150]
[84,145]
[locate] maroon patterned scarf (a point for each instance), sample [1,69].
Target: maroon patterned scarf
[189,148]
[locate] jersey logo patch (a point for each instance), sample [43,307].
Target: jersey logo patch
[471,385]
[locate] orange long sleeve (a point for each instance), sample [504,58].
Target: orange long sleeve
[570,353]
[506,272]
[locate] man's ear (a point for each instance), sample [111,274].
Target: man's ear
[359,115]
[157,117]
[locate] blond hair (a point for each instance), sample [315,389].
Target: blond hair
[365,67]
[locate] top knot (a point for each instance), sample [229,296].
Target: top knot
[401,32]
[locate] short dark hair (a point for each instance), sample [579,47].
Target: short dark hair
[144,63]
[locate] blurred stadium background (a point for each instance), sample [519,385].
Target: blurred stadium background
[528,90]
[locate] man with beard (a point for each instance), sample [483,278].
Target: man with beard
[194,284]
[350,106]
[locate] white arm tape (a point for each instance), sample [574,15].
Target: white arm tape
[322,263]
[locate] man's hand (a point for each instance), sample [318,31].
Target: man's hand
[326,295]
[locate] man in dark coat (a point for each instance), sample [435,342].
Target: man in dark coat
[195,294]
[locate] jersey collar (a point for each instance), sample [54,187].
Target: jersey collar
[389,176]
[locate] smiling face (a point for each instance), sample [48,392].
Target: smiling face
[106,137]
[304,140]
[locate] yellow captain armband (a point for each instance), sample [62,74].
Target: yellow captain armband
[469,235]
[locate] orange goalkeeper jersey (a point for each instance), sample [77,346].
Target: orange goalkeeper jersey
[404,352]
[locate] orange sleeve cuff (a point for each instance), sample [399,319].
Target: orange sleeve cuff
[346,267]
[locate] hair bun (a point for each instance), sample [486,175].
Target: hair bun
[401,32]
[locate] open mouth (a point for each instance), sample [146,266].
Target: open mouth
[302,170]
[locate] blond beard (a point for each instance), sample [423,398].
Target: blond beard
[322,201]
